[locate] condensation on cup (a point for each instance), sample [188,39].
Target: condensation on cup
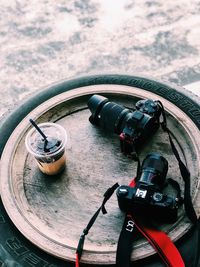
[50,154]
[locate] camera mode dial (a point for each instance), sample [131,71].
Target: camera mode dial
[148,106]
[157,197]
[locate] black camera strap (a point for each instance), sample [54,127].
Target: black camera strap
[109,192]
[189,209]
[125,242]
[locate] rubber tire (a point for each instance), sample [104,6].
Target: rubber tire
[15,249]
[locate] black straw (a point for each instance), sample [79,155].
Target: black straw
[38,129]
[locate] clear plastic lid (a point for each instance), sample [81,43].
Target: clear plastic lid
[56,139]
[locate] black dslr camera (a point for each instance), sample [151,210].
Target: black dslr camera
[133,127]
[146,198]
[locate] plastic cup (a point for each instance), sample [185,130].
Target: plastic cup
[50,154]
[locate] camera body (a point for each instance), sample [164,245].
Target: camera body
[146,200]
[146,197]
[133,126]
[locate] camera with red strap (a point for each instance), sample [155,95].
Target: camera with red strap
[144,193]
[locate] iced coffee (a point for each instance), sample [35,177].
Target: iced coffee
[48,148]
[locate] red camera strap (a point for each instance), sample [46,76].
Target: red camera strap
[158,239]
[162,244]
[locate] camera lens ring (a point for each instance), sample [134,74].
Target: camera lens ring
[120,119]
[154,169]
[109,115]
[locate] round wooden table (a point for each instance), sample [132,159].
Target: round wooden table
[51,212]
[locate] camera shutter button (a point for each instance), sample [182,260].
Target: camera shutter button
[122,191]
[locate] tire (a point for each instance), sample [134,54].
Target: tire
[15,249]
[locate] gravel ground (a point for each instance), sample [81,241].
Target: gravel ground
[44,41]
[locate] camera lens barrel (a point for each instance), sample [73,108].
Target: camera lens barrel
[154,169]
[106,114]
[112,116]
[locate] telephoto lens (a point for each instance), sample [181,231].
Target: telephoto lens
[108,115]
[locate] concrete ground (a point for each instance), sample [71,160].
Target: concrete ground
[44,41]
